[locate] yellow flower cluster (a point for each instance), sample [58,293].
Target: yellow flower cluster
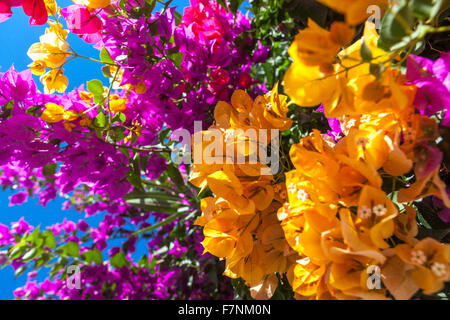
[93,4]
[338,218]
[54,113]
[240,222]
[51,52]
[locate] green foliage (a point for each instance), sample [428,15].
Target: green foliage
[93,255]
[275,24]
[408,22]
[105,57]
[100,120]
[71,249]
[119,260]
[6,110]
[49,169]
[95,87]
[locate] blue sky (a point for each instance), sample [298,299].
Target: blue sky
[16,36]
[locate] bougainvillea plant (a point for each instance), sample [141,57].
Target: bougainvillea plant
[348,99]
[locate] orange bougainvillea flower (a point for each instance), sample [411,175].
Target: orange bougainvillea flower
[53,113]
[357,11]
[308,81]
[308,278]
[429,185]
[308,86]
[315,46]
[37,67]
[52,48]
[431,263]
[240,221]
[375,216]
[54,80]
[117,104]
[406,227]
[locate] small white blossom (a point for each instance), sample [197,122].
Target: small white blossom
[439,269]
[418,256]
[364,212]
[302,195]
[292,188]
[380,210]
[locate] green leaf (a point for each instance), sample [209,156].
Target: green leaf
[234,5]
[49,241]
[164,135]
[440,11]
[396,25]
[19,271]
[100,120]
[223,3]
[35,237]
[143,262]
[175,175]
[122,4]
[366,54]
[117,133]
[106,72]
[29,255]
[134,179]
[105,57]
[34,111]
[376,70]
[149,7]
[177,17]
[422,9]
[93,255]
[72,249]
[120,117]
[99,99]
[49,169]
[153,264]
[7,110]
[177,58]
[95,86]
[118,260]
[61,263]
[17,250]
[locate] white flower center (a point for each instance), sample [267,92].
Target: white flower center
[439,269]
[292,188]
[364,212]
[380,210]
[302,195]
[418,256]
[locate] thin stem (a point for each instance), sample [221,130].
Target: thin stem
[141,149]
[393,189]
[109,107]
